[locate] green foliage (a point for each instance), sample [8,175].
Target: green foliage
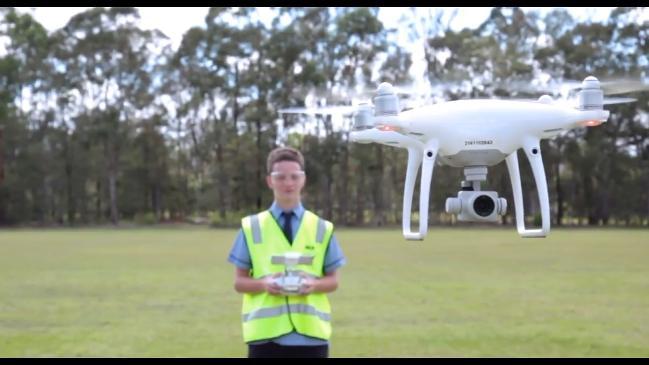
[117,125]
[232,219]
[145,218]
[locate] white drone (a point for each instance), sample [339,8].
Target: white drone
[473,134]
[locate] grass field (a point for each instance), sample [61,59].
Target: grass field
[460,293]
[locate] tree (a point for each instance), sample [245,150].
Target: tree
[108,59]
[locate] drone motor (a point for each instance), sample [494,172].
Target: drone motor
[363,118]
[386,101]
[591,96]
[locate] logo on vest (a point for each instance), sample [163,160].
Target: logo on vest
[309,247]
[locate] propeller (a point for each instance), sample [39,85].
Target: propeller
[347,110]
[608,101]
[609,87]
[322,110]
[573,102]
[623,86]
[407,89]
[591,92]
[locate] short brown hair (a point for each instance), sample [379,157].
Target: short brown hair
[284,154]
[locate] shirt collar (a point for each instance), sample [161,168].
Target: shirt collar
[276,211]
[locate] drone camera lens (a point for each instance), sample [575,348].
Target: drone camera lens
[429,154]
[483,205]
[534,151]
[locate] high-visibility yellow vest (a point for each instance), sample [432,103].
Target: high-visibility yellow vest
[267,316]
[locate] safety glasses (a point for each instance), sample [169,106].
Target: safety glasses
[281,176]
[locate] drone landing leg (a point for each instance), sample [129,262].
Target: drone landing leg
[414,160]
[533,152]
[415,157]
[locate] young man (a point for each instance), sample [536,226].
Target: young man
[276,324]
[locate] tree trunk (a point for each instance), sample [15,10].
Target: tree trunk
[98,215]
[360,206]
[222,176]
[377,187]
[112,183]
[235,103]
[112,189]
[591,208]
[2,161]
[343,191]
[258,167]
[328,199]
[69,187]
[559,193]
[328,177]
[3,200]
[48,207]
[605,211]
[155,201]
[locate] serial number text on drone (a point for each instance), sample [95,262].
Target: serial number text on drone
[470,143]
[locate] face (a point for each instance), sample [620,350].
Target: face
[286,180]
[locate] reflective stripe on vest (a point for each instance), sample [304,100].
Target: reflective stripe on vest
[256,229]
[321,230]
[282,309]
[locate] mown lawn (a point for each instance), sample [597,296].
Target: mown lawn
[460,293]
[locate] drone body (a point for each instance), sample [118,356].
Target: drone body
[484,132]
[474,134]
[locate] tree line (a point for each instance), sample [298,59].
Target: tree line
[103,122]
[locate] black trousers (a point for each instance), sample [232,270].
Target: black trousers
[271,349]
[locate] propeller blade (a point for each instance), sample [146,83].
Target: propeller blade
[614,87]
[399,90]
[608,101]
[532,87]
[407,90]
[325,110]
[609,87]
[573,102]
[411,89]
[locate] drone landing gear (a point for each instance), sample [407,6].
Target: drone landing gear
[415,156]
[533,152]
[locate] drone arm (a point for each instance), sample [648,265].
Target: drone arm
[415,157]
[533,152]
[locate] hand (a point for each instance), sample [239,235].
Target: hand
[308,285]
[271,286]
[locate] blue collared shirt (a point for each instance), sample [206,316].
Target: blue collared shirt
[334,258]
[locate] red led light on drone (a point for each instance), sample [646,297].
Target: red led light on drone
[387,128]
[591,123]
